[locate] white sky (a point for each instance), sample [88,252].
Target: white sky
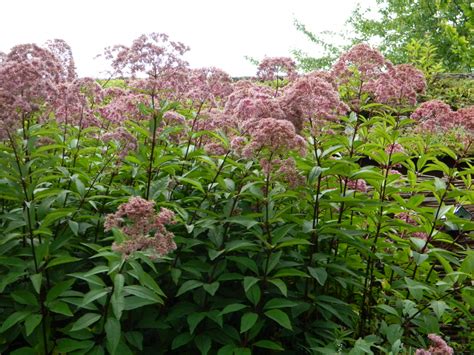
[219,32]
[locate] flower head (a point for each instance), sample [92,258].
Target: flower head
[275,67]
[277,136]
[138,220]
[438,347]
[311,97]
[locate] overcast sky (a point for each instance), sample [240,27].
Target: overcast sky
[219,32]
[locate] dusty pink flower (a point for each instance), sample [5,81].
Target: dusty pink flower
[122,105]
[357,69]
[138,220]
[434,115]
[127,142]
[155,56]
[420,235]
[290,174]
[277,136]
[29,78]
[238,144]
[358,185]
[394,148]
[368,62]
[208,84]
[438,347]
[398,86]
[309,98]
[276,67]
[148,54]
[76,102]
[63,52]
[464,118]
[406,217]
[249,100]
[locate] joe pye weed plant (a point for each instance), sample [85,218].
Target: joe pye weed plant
[184,212]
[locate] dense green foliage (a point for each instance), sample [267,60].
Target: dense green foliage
[259,265]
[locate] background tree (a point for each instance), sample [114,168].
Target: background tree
[448,25]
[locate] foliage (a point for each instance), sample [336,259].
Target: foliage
[330,51]
[446,24]
[305,240]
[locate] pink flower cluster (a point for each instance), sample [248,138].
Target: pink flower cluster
[394,148]
[358,185]
[398,86]
[249,100]
[126,140]
[137,220]
[208,84]
[289,173]
[363,62]
[438,347]
[29,76]
[309,98]
[407,217]
[75,102]
[277,136]
[121,105]
[276,67]
[437,116]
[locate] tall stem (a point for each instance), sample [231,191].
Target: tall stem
[152,153]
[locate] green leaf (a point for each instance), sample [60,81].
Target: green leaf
[249,281]
[439,307]
[254,294]
[290,272]
[388,309]
[135,338]
[293,242]
[439,184]
[188,286]
[85,321]
[194,319]
[74,227]
[67,346]
[36,280]
[203,343]
[239,244]
[211,288]
[117,299]
[181,340]
[143,292]
[280,284]
[280,317]
[232,308]
[147,281]
[13,319]
[247,321]
[268,344]
[24,297]
[227,350]
[248,222]
[93,295]
[361,346]
[279,303]
[60,307]
[113,330]
[319,273]
[24,351]
[195,183]
[31,322]
[61,260]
